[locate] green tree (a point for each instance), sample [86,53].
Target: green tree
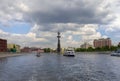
[105,48]
[98,49]
[118,45]
[77,49]
[47,50]
[113,48]
[90,49]
[83,49]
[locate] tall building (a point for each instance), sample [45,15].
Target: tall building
[102,42]
[3,45]
[85,45]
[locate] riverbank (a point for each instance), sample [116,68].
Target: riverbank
[103,52]
[2,55]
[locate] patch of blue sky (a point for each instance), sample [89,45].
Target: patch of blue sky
[111,35]
[102,31]
[77,37]
[17,28]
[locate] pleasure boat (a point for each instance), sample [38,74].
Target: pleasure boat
[69,52]
[38,53]
[116,53]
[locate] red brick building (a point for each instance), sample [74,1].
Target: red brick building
[102,42]
[3,45]
[32,49]
[26,49]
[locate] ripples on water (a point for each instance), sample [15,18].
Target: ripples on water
[52,67]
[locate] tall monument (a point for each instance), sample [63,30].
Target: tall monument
[58,45]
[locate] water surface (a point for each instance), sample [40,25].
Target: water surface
[53,67]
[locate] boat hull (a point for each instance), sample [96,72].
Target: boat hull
[69,55]
[38,55]
[115,55]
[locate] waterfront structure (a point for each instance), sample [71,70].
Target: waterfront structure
[102,42]
[119,44]
[85,45]
[17,48]
[62,50]
[3,45]
[13,48]
[41,50]
[32,49]
[58,45]
[26,49]
[35,49]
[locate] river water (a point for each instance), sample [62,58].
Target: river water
[53,67]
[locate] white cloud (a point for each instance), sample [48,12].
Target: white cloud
[69,38]
[23,7]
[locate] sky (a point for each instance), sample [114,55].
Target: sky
[35,23]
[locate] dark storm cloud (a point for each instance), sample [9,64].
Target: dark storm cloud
[81,12]
[58,11]
[47,14]
[58,27]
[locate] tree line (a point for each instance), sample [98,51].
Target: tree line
[90,49]
[98,49]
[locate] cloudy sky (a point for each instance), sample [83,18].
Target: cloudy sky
[36,22]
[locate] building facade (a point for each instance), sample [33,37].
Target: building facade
[3,45]
[32,49]
[35,49]
[13,47]
[85,45]
[102,42]
[18,48]
[119,44]
[26,49]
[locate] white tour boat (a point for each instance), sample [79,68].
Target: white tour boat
[69,52]
[116,53]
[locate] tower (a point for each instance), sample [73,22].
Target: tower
[58,45]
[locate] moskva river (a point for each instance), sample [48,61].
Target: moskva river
[53,67]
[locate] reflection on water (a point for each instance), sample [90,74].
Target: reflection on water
[52,67]
[3,60]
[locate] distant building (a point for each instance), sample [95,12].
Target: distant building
[18,48]
[26,49]
[35,49]
[102,42]
[3,45]
[119,44]
[13,47]
[62,50]
[85,45]
[32,49]
[41,50]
